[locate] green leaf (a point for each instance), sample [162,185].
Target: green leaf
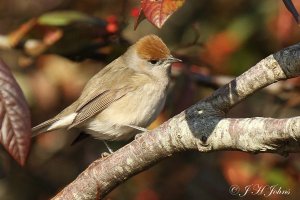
[62,18]
[278,176]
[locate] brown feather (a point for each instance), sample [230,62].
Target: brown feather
[151,47]
[41,128]
[98,104]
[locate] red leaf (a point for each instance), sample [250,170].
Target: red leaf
[15,123]
[140,18]
[158,11]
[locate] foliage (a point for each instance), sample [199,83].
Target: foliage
[14,117]
[157,12]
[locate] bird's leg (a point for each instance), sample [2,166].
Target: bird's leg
[105,154]
[138,128]
[109,149]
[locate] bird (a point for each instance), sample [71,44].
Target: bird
[123,98]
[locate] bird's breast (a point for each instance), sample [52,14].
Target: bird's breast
[139,108]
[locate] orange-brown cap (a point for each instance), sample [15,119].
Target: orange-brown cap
[151,47]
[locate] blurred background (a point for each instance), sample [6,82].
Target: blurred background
[54,47]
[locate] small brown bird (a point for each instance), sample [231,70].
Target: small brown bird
[126,95]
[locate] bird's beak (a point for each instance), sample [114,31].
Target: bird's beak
[172,59]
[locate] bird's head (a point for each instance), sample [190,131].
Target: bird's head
[150,55]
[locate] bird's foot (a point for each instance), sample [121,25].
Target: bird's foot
[105,154]
[137,136]
[140,134]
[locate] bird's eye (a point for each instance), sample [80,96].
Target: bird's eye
[153,62]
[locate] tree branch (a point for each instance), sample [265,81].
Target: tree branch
[257,135]
[201,127]
[282,65]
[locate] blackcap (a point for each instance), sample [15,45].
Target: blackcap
[127,94]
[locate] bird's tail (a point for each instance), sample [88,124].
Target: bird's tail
[43,127]
[53,124]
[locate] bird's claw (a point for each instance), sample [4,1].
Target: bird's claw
[137,136]
[105,154]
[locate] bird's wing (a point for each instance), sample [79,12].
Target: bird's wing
[106,87]
[114,76]
[97,104]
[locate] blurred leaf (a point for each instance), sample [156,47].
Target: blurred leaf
[245,23]
[157,12]
[147,194]
[51,36]
[277,176]
[15,120]
[17,35]
[34,47]
[4,42]
[293,100]
[284,25]
[226,44]
[238,169]
[62,18]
